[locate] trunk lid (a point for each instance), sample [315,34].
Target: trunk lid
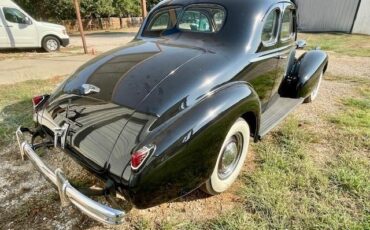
[124,77]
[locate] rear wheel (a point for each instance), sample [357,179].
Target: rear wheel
[51,44]
[315,91]
[230,159]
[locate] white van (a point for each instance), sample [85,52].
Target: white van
[19,30]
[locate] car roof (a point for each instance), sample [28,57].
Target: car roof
[242,26]
[240,3]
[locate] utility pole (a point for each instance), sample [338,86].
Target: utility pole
[80,26]
[143,8]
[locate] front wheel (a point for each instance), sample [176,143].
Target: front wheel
[230,160]
[315,91]
[51,44]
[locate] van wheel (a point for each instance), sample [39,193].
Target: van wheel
[230,159]
[51,44]
[315,91]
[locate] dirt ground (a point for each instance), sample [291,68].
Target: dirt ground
[22,65]
[27,201]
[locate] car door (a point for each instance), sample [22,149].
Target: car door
[286,45]
[4,38]
[20,29]
[261,73]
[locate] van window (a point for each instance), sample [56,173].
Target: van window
[269,31]
[14,15]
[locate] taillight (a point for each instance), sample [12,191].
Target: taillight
[37,100]
[139,157]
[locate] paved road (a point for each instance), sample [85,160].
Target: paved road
[43,66]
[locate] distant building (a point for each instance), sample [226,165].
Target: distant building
[348,16]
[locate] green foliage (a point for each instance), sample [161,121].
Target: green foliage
[64,9]
[151,3]
[97,7]
[126,8]
[51,9]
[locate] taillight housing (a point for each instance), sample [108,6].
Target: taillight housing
[138,157]
[38,100]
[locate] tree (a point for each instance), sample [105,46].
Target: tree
[126,8]
[64,9]
[48,9]
[152,3]
[97,7]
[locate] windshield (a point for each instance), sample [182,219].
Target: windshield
[195,18]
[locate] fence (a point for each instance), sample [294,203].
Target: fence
[103,23]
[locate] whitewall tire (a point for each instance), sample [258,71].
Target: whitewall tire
[315,91]
[230,159]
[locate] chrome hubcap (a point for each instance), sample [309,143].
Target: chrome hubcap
[52,45]
[230,156]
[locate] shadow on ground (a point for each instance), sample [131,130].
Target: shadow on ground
[21,50]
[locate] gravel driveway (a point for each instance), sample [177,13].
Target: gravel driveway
[18,66]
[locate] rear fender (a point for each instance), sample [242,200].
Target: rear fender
[187,149]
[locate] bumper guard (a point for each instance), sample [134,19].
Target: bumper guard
[68,194]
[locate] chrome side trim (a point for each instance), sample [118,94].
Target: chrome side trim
[68,194]
[276,53]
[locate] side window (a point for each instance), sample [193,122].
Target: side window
[219,18]
[14,15]
[161,22]
[287,25]
[194,20]
[269,32]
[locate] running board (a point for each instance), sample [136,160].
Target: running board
[276,113]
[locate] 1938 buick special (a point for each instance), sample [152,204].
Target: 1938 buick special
[174,109]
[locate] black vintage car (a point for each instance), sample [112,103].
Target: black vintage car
[174,109]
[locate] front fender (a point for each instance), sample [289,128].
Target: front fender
[304,75]
[311,65]
[188,147]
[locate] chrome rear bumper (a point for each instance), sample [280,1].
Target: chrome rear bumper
[68,194]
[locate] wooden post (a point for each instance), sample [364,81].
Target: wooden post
[80,26]
[143,8]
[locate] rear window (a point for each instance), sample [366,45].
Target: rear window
[195,18]
[202,19]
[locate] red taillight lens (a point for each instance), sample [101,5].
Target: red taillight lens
[37,100]
[138,157]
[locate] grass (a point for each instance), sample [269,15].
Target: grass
[16,106]
[351,45]
[354,121]
[289,190]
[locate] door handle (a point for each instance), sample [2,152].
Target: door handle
[9,26]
